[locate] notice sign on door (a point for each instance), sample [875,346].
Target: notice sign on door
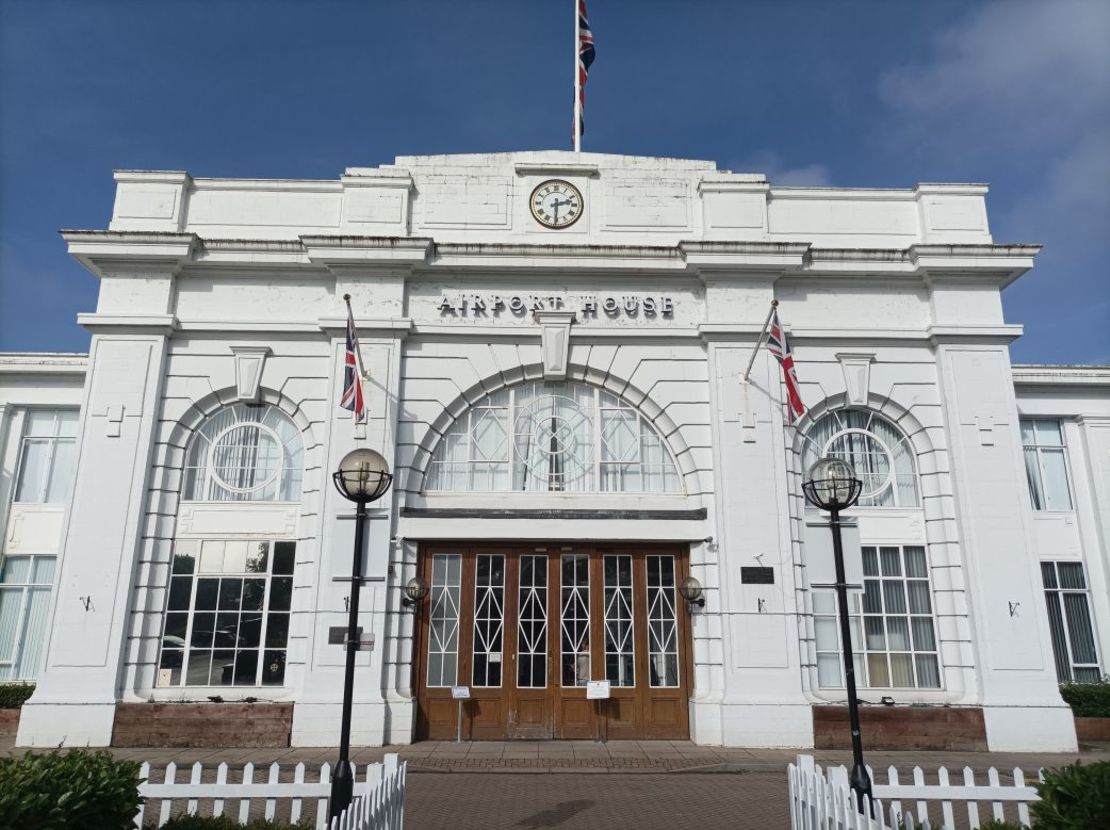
[460,693]
[597,690]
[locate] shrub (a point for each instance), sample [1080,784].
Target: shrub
[225,823]
[995,824]
[1088,700]
[12,695]
[69,789]
[1075,797]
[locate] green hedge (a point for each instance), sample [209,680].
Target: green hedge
[1075,797]
[78,789]
[1088,700]
[225,823]
[12,695]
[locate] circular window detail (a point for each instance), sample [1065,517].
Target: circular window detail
[245,458]
[856,446]
[244,453]
[554,440]
[879,452]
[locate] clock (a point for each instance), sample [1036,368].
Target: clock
[556,203]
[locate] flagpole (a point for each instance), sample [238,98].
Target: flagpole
[577,84]
[759,342]
[360,371]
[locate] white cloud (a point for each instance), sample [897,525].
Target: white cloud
[1019,91]
[1031,71]
[778,172]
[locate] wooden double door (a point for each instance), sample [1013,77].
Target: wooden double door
[526,627]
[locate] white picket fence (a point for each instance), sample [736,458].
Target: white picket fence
[379,801]
[821,799]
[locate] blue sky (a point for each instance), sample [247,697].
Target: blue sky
[873,93]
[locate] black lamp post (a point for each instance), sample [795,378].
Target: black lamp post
[363,477]
[831,485]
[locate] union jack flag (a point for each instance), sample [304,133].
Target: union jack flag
[777,345]
[352,377]
[586,55]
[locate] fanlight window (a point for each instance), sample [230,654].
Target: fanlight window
[553,438]
[881,455]
[245,453]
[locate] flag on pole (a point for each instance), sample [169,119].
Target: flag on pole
[586,56]
[352,375]
[777,345]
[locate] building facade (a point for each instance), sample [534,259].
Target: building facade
[555,347]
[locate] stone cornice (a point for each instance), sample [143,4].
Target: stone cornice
[1049,375]
[121,251]
[938,265]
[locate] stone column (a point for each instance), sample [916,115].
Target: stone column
[74,702]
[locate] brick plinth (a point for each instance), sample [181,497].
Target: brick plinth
[203,724]
[9,721]
[1092,729]
[960,729]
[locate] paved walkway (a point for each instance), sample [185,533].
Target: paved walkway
[640,785]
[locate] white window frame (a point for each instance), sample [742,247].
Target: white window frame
[812,451]
[204,483]
[857,617]
[23,590]
[52,440]
[1039,450]
[1058,593]
[191,612]
[509,463]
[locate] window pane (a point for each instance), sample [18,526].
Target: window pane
[575,620]
[1048,574]
[1056,493]
[894,597]
[1079,628]
[1033,475]
[61,476]
[876,639]
[901,671]
[928,672]
[891,559]
[619,649]
[1071,575]
[870,562]
[825,629]
[16,569]
[34,471]
[918,590]
[273,668]
[532,623]
[1048,433]
[281,593]
[923,639]
[877,674]
[1059,644]
[828,670]
[915,562]
[898,633]
[443,619]
[489,619]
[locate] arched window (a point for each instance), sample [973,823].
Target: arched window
[566,437]
[881,455]
[245,453]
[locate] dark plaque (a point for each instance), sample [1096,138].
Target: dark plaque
[757,576]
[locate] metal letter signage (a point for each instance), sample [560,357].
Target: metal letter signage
[647,308]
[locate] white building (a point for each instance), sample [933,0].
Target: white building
[555,346]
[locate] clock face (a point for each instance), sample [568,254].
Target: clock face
[556,204]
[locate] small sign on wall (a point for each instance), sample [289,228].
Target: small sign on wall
[460,693]
[757,576]
[598,690]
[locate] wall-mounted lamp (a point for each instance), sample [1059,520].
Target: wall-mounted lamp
[692,592]
[415,590]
